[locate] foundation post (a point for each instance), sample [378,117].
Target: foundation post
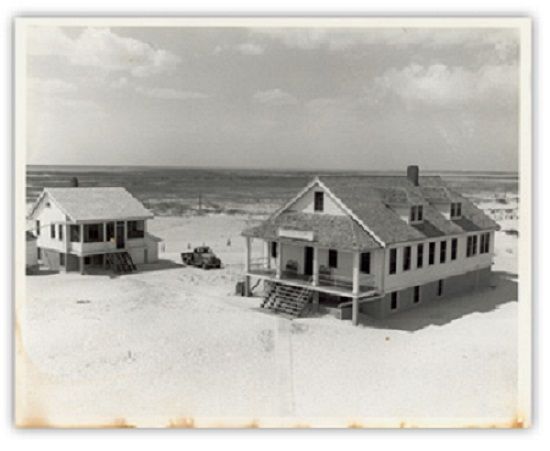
[355,290]
[247,268]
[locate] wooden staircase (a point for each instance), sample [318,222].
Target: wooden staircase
[289,301]
[121,262]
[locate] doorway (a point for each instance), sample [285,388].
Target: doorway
[308,261]
[120,241]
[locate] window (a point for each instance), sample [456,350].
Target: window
[332,258]
[74,231]
[431,254]
[416,295]
[440,288]
[365,262]
[110,231]
[136,229]
[484,243]
[38,253]
[454,247]
[273,249]
[471,245]
[60,231]
[93,233]
[456,210]
[61,259]
[443,252]
[419,255]
[406,258]
[393,303]
[417,213]
[319,201]
[37,228]
[52,231]
[393,261]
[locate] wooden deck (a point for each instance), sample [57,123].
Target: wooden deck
[336,287]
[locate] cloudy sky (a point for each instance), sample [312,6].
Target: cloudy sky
[274,98]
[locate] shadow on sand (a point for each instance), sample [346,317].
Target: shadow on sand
[503,289]
[160,265]
[41,272]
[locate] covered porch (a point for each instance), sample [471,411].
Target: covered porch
[334,272]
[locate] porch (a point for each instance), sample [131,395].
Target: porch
[307,265]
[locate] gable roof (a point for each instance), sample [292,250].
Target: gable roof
[330,231]
[369,201]
[95,203]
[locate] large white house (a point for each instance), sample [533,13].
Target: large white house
[82,227]
[375,244]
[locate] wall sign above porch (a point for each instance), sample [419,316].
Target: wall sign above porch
[305,235]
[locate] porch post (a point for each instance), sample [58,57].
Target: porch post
[315,298]
[315,266]
[267,251]
[355,290]
[247,268]
[81,264]
[279,260]
[81,233]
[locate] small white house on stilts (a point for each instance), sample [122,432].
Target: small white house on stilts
[80,228]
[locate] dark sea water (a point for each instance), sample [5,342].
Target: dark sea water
[175,191]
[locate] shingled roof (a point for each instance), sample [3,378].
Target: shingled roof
[95,203]
[371,198]
[331,231]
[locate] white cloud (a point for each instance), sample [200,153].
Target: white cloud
[157,93]
[441,85]
[249,48]
[275,97]
[170,94]
[504,42]
[101,48]
[49,87]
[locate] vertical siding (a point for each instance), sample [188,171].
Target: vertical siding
[48,216]
[306,202]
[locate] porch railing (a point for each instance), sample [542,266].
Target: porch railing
[333,280]
[259,264]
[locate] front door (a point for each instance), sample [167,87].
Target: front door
[308,261]
[120,235]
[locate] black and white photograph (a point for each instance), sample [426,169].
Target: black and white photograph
[272,222]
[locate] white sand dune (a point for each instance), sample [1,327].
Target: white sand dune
[173,345]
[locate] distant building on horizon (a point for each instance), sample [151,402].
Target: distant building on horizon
[79,228]
[374,244]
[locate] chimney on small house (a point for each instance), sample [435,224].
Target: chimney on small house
[412,174]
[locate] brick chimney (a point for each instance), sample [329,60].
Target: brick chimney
[412,174]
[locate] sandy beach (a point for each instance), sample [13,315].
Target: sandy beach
[173,345]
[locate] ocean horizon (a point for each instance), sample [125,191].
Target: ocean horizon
[169,190]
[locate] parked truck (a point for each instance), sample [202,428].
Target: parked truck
[201,257]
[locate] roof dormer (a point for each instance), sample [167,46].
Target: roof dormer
[416,215]
[456,210]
